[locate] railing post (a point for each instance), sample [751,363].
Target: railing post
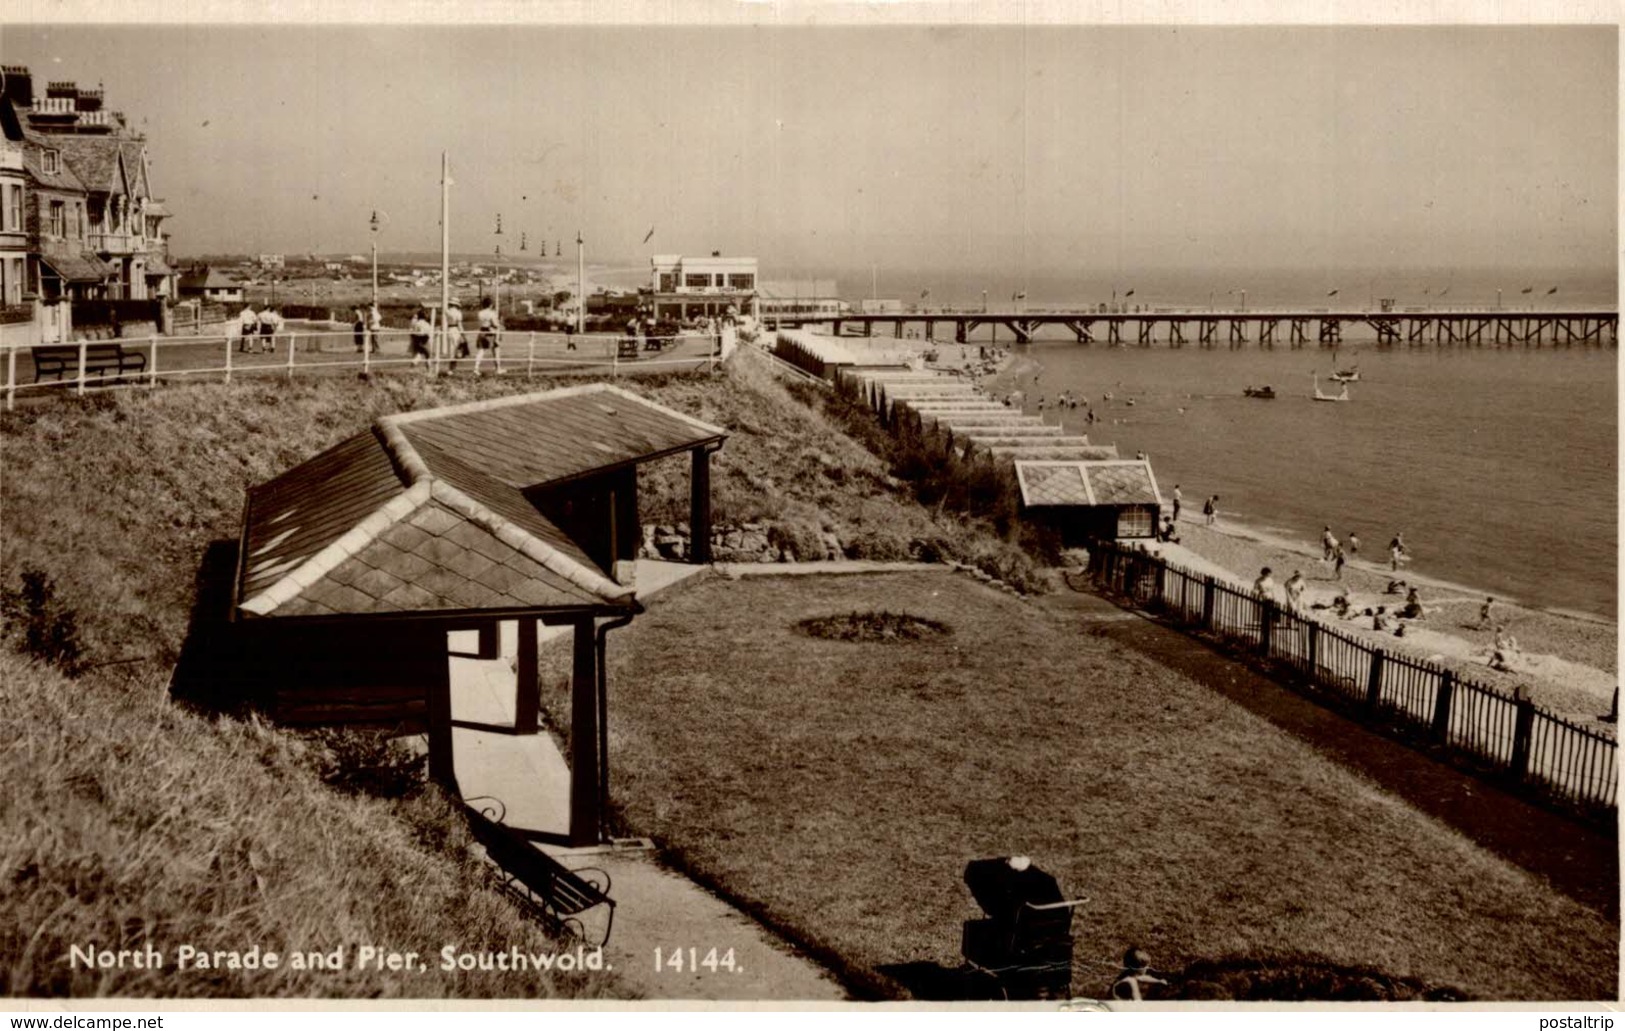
[152,361]
[84,352]
[1266,626]
[366,355]
[293,343]
[11,377]
[1522,733]
[1373,682]
[1441,704]
[530,356]
[1207,602]
[1314,649]
[228,359]
[615,363]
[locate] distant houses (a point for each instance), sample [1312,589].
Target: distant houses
[211,284]
[78,218]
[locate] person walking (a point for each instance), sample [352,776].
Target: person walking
[358,323]
[1338,561]
[1264,586]
[1210,509]
[490,333]
[456,339]
[1353,544]
[1397,552]
[1328,544]
[375,328]
[1295,585]
[1178,497]
[418,339]
[270,321]
[248,325]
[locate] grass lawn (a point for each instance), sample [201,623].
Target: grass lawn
[838,788]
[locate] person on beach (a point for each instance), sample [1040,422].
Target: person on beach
[490,333]
[1396,551]
[1484,618]
[1502,651]
[419,337]
[1264,586]
[248,325]
[1337,562]
[1340,604]
[1328,544]
[1294,590]
[1167,535]
[1379,621]
[1211,509]
[1178,497]
[1353,544]
[1413,606]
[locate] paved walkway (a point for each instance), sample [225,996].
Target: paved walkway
[654,907]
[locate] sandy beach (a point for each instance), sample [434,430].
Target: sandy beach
[1568,663]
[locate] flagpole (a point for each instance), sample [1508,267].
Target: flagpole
[445,252]
[581,284]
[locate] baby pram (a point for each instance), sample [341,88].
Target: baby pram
[1025,941]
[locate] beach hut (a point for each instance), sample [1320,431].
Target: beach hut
[1091,500]
[354,567]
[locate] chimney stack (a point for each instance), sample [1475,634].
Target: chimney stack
[19,87]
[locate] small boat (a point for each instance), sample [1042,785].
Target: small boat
[1267,393]
[1350,375]
[1344,396]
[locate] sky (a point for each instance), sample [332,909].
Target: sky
[954,147]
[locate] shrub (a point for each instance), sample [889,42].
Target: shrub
[369,762]
[803,541]
[42,626]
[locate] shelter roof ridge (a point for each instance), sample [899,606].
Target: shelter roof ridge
[393,422]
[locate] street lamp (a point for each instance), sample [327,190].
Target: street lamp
[374,224]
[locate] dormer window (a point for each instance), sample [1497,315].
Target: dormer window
[52,162]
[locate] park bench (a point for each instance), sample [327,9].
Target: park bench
[628,347]
[540,883]
[58,360]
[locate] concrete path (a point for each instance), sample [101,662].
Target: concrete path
[528,779]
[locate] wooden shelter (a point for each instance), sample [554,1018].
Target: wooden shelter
[353,566]
[1087,500]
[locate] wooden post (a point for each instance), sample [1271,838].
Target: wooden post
[490,638]
[84,349]
[1373,683]
[1314,649]
[1207,602]
[442,767]
[1441,705]
[584,815]
[527,701]
[699,508]
[11,378]
[1522,733]
[293,342]
[1266,626]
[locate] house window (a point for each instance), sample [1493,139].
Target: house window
[1135,522]
[742,280]
[57,215]
[52,162]
[13,212]
[702,280]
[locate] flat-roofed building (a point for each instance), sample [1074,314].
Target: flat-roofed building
[683,286]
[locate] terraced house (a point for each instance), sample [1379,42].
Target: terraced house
[93,228]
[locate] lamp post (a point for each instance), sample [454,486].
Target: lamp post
[374,224]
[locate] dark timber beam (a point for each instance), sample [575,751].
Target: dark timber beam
[584,765]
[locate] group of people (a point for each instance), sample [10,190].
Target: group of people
[257,330]
[368,326]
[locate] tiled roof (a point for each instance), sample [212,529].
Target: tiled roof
[427,511]
[1087,483]
[94,159]
[77,268]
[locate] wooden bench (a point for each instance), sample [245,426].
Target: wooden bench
[628,347]
[58,360]
[540,883]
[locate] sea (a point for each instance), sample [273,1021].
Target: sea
[1499,466]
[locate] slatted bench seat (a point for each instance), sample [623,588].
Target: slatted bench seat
[540,883]
[62,360]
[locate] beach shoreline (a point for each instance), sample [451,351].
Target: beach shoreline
[1568,664]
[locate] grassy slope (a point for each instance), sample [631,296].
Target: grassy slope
[116,497]
[874,772]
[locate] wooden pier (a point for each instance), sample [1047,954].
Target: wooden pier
[1264,329]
